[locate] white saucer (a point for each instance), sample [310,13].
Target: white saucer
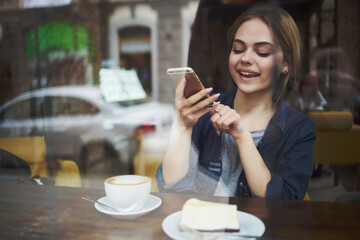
[248,223]
[151,204]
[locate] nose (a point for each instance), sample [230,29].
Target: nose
[246,58]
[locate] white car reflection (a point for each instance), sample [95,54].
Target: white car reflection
[78,124]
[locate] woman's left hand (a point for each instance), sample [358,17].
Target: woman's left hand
[226,119]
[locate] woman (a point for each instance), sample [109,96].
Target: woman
[249,144]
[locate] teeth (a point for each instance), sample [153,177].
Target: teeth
[249,74]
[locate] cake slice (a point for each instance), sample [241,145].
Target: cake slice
[209,216]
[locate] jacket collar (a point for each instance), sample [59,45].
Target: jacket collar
[279,118]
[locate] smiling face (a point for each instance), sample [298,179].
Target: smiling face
[255,61]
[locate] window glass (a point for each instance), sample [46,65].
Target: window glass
[19,110]
[67,106]
[64,46]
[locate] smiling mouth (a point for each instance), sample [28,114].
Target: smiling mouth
[248,74]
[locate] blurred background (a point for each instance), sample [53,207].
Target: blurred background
[88,78]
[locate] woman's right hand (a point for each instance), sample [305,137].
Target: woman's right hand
[189,110]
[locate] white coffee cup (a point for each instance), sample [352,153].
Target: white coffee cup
[128,193]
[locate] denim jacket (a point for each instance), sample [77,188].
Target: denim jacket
[286,148]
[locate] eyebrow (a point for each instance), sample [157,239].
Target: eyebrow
[256,44]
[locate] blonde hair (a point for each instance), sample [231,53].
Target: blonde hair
[285,34]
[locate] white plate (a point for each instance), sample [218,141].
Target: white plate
[151,204]
[248,223]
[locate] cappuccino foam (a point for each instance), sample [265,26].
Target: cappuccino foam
[127,180]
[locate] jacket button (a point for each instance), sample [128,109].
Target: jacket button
[241,183]
[245,194]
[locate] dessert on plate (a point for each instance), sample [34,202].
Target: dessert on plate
[209,216]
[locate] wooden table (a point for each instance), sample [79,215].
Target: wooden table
[43,212]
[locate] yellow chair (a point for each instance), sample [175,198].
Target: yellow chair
[146,164]
[151,154]
[307,197]
[332,120]
[337,142]
[33,151]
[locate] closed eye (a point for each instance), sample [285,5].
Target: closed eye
[263,54]
[237,51]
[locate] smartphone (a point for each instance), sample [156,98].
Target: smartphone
[193,84]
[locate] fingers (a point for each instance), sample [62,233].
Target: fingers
[205,103]
[179,93]
[224,118]
[190,114]
[203,94]
[218,117]
[191,109]
[196,98]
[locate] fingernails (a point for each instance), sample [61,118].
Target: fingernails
[208,90]
[218,133]
[215,96]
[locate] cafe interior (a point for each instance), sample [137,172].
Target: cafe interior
[85,95]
